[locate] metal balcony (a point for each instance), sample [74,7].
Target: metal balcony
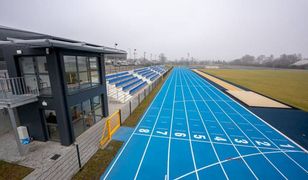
[14,92]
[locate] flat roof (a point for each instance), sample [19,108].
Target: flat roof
[16,37]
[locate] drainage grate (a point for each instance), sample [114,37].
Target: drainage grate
[55,157]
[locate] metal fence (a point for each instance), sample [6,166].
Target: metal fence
[113,123]
[15,86]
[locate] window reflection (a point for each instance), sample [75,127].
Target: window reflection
[71,72]
[81,72]
[35,72]
[42,64]
[86,114]
[94,70]
[27,65]
[31,83]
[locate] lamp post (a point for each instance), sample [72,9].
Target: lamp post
[134,54]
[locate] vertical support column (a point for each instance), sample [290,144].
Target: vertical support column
[58,87]
[103,81]
[14,125]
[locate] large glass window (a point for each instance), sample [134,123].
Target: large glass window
[71,73]
[77,119]
[81,72]
[35,72]
[31,82]
[97,106]
[94,70]
[43,75]
[42,64]
[27,65]
[86,114]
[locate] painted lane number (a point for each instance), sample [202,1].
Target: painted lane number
[197,136]
[264,143]
[286,146]
[162,133]
[241,141]
[144,130]
[219,139]
[180,134]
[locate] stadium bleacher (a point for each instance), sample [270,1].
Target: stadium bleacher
[136,88]
[122,86]
[116,75]
[119,78]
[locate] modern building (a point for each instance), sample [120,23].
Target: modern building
[56,86]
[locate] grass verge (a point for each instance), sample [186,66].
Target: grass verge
[134,118]
[288,86]
[99,162]
[13,171]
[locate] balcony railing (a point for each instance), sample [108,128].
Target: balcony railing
[15,91]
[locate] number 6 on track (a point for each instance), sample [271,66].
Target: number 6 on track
[180,134]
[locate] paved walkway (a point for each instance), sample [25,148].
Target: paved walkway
[248,97]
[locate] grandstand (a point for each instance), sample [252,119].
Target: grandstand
[122,86]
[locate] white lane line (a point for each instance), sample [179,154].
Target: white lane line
[260,130]
[253,173]
[170,131]
[224,161]
[146,148]
[115,161]
[190,143]
[211,142]
[243,132]
[205,141]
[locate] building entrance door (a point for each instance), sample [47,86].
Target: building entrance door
[52,125]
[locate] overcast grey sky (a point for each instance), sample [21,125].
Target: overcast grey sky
[207,29]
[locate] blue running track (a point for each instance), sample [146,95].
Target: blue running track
[194,131]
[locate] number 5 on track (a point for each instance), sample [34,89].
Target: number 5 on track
[197,136]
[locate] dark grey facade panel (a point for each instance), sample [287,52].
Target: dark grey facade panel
[29,115]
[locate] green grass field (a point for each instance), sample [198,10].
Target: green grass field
[99,162]
[288,86]
[13,171]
